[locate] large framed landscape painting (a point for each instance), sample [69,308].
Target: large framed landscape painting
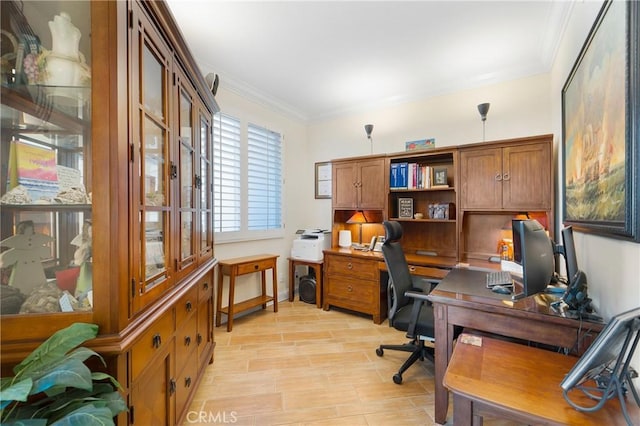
[600,126]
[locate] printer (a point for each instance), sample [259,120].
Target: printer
[310,243]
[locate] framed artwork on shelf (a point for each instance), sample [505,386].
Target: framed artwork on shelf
[405,208]
[600,127]
[439,177]
[323,180]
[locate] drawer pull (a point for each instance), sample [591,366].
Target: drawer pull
[412,268]
[188,306]
[256,266]
[206,285]
[187,340]
[349,265]
[199,338]
[349,289]
[156,341]
[187,382]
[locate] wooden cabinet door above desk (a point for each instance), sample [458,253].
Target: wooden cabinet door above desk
[359,184]
[510,176]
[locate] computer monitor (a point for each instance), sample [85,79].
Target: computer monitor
[607,361]
[569,252]
[533,249]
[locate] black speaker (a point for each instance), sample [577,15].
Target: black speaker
[307,289]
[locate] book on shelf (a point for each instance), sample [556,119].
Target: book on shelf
[403,179]
[35,168]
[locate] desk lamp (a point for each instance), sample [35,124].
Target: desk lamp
[359,218]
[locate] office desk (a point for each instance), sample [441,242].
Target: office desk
[462,299]
[520,383]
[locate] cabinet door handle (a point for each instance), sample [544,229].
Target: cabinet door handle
[172,386]
[205,285]
[188,306]
[199,339]
[187,341]
[498,177]
[506,176]
[156,341]
[187,382]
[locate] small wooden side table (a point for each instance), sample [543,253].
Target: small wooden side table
[242,266]
[316,265]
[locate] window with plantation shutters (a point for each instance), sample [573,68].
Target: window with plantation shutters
[264,179]
[226,173]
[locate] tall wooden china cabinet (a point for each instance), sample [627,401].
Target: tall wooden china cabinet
[106,213]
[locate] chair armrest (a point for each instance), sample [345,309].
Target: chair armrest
[419,299]
[417,295]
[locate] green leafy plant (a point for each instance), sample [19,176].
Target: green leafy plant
[53,386]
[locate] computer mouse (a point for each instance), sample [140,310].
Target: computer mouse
[501,289]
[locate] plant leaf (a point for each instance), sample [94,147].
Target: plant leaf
[17,392]
[87,415]
[56,346]
[71,373]
[26,422]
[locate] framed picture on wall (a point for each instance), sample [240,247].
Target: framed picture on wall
[600,126]
[323,180]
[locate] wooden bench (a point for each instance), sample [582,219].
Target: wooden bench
[518,382]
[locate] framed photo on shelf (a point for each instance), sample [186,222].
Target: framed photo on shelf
[405,208]
[323,180]
[600,121]
[439,176]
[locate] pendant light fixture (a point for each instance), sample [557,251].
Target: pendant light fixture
[483,109]
[369,128]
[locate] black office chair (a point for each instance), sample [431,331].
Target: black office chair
[409,309]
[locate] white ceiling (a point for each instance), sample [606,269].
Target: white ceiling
[316,60]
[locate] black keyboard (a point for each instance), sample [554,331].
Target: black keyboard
[499,278]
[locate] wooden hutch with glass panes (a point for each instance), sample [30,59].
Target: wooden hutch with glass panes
[106,204]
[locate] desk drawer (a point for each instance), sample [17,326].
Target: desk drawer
[153,341]
[351,267]
[352,293]
[259,265]
[427,271]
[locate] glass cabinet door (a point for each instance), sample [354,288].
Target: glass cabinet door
[187,181]
[46,259]
[205,187]
[151,221]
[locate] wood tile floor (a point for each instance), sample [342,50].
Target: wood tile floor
[306,366]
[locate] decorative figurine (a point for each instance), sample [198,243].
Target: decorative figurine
[26,251]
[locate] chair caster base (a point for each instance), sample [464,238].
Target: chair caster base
[379,352]
[397,379]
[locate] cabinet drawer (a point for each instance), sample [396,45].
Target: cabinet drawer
[205,288]
[153,341]
[185,384]
[186,305]
[352,267]
[186,341]
[354,292]
[259,265]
